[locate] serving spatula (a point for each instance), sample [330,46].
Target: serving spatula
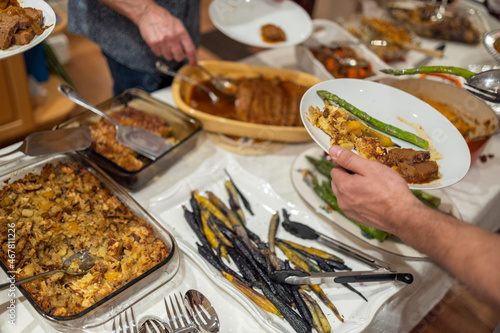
[55,141]
[136,138]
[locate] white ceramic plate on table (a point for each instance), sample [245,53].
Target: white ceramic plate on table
[264,200]
[392,244]
[400,109]
[242,20]
[49,22]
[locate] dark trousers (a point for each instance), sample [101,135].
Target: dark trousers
[125,78]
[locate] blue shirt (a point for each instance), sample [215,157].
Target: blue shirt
[120,38]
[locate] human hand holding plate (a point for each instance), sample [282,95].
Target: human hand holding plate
[242,20]
[393,106]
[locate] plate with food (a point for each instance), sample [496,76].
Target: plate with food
[327,54]
[248,112]
[430,19]
[215,181]
[386,124]
[24,24]
[314,164]
[259,23]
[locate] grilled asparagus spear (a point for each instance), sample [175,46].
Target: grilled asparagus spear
[381,126]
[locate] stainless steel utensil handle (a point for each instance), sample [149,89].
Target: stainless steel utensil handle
[20,148]
[206,71]
[352,252]
[166,70]
[403,277]
[28,279]
[69,93]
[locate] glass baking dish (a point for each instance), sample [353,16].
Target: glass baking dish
[184,128]
[128,294]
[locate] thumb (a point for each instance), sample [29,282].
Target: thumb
[347,159]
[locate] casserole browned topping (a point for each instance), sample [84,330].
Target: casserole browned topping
[63,210]
[104,140]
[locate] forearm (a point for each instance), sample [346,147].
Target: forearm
[134,10]
[468,252]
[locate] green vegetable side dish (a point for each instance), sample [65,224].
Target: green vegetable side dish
[375,123]
[466,74]
[325,193]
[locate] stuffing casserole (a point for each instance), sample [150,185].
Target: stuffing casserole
[65,209]
[104,140]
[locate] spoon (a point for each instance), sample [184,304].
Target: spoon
[223,85]
[488,80]
[154,325]
[162,67]
[201,312]
[77,264]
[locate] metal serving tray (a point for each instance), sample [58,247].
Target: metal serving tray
[128,294]
[184,128]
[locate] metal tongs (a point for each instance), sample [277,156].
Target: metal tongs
[292,276]
[382,271]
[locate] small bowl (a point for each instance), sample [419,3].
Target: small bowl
[471,109]
[491,42]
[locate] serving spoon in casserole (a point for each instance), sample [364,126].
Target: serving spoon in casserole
[79,263]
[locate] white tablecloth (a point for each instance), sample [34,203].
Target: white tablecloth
[477,198]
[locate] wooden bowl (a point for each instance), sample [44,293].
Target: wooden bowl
[181,90]
[470,108]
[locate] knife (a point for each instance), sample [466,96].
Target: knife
[297,277]
[427,59]
[305,232]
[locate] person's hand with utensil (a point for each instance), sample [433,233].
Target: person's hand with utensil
[375,195]
[163,32]
[134,34]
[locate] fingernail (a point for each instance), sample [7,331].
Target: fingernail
[335,152]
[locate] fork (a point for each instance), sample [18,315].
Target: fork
[123,324]
[177,318]
[486,94]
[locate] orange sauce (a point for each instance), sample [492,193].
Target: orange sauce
[200,100]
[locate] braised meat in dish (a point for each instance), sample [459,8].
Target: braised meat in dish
[259,100]
[18,25]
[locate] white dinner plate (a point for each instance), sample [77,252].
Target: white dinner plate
[398,108]
[49,21]
[242,20]
[392,244]
[210,176]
